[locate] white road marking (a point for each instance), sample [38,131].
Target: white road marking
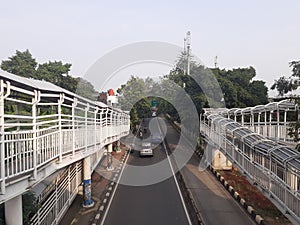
[177,185]
[113,194]
[97,216]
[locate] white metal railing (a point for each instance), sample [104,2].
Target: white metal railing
[41,125]
[272,130]
[279,179]
[56,199]
[272,120]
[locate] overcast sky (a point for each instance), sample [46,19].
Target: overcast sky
[264,34]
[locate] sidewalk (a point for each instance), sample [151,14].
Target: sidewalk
[214,205]
[101,180]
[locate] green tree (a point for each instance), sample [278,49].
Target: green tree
[132,92]
[296,68]
[51,71]
[258,91]
[2,214]
[178,86]
[241,76]
[30,206]
[239,88]
[230,92]
[133,98]
[57,72]
[283,85]
[22,64]
[286,84]
[85,89]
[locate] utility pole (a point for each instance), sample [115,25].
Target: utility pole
[188,50]
[184,56]
[216,62]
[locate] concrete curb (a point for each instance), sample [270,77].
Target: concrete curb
[249,209]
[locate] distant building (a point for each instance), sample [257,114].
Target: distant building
[111,92]
[109,98]
[112,100]
[102,97]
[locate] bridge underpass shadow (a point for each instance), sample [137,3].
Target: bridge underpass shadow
[101,179]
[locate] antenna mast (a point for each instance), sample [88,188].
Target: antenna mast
[184,56]
[188,46]
[216,62]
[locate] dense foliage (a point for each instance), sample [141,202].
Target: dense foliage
[237,85]
[237,89]
[57,72]
[29,206]
[284,85]
[134,99]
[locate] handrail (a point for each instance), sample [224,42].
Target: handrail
[40,128]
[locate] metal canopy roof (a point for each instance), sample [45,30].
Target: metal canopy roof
[247,110]
[286,105]
[213,110]
[233,126]
[253,139]
[295,163]
[37,84]
[226,122]
[282,105]
[238,112]
[231,111]
[283,153]
[279,152]
[44,86]
[265,145]
[258,108]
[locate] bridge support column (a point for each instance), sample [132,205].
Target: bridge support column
[13,211]
[109,157]
[219,160]
[118,148]
[87,191]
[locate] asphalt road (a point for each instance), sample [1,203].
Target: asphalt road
[160,203]
[215,204]
[156,203]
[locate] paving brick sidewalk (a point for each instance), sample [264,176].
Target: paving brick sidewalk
[77,215]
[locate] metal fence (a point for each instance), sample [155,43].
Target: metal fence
[56,199]
[44,127]
[274,168]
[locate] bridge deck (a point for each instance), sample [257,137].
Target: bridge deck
[45,128]
[273,167]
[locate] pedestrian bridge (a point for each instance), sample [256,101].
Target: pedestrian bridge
[45,128]
[251,139]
